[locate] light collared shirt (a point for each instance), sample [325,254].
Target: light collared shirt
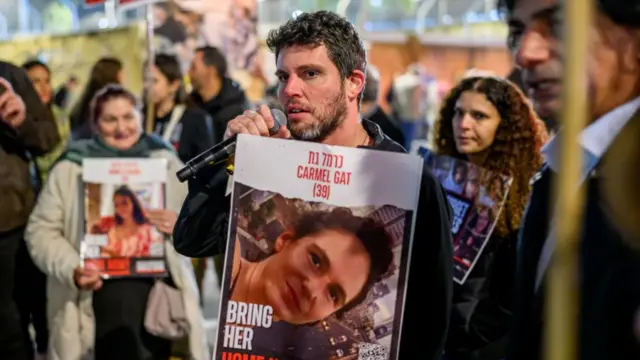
[597,137]
[595,140]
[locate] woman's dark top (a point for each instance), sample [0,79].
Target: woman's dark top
[192,135]
[482,309]
[120,333]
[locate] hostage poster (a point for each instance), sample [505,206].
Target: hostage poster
[119,241]
[477,197]
[317,257]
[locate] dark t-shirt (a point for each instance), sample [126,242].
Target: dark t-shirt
[119,308]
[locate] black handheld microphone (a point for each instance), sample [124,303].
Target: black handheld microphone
[224,150]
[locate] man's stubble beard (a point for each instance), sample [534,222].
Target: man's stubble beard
[328,121]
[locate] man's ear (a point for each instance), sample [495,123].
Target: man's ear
[355,84]
[283,240]
[174,86]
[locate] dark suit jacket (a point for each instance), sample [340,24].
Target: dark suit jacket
[609,277]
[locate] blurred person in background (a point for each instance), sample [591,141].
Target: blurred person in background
[488,121]
[89,315]
[214,92]
[371,110]
[271,98]
[188,128]
[40,76]
[27,130]
[609,270]
[31,283]
[106,71]
[63,95]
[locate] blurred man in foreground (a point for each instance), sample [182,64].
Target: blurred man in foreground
[609,271]
[27,130]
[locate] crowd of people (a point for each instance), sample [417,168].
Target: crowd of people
[329,93]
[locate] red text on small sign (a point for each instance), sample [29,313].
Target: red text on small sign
[324,170]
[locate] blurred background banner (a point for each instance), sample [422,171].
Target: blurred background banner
[74,55]
[454,34]
[181,26]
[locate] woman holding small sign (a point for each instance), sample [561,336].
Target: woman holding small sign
[88,312]
[488,122]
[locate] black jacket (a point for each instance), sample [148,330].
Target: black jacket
[609,276]
[482,306]
[201,231]
[388,125]
[193,134]
[229,103]
[35,137]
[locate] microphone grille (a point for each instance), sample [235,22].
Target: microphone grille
[280,119]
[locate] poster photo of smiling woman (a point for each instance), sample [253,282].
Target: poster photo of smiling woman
[309,276]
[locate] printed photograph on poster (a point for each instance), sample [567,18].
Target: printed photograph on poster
[119,241]
[477,197]
[182,26]
[316,271]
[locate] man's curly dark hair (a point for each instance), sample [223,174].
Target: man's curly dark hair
[516,147]
[336,33]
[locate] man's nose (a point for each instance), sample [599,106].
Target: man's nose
[534,49]
[292,87]
[315,286]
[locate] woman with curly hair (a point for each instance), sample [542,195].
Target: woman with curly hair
[487,121]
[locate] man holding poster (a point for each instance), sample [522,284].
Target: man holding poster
[321,68]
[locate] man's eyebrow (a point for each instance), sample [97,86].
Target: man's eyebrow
[309,67]
[304,67]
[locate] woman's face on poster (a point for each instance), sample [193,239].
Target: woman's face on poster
[483,220]
[123,206]
[496,189]
[310,278]
[160,16]
[459,175]
[471,189]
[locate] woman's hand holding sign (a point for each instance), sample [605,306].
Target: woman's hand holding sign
[163,220]
[87,278]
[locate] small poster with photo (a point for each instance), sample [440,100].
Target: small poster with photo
[477,197]
[118,239]
[318,251]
